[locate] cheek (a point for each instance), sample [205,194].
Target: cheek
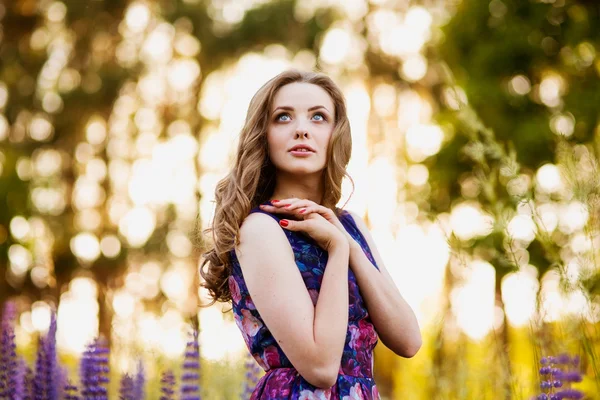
[323,140]
[271,138]
[275,144]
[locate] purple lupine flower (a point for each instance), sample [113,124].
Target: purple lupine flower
[62,378]
[569,376]
[70,391]
[46,380]
[94,371]
[569,394]
[190,378]
[556,382]
[167,386]
[126,388]
[29,384]
[251,376]
[20,392]
[51,369]
[138,384]
[8,351]
[39,381]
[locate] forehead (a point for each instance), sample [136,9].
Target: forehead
[302,95]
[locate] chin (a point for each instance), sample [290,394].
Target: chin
[302,169]
[299,166]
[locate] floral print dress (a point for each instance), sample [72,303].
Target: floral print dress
[282,380]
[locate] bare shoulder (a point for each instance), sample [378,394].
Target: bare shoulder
[261,237]
[258,222]
[260,225]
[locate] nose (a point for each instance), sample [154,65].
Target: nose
[301,133]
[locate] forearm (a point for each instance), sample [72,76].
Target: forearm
[331,310]
[393,318]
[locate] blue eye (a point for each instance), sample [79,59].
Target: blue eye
[280,115]
[278,118]
[322,116]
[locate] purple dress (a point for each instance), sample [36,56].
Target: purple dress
[282,380]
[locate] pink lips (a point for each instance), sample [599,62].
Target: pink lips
[302,150]
[302,146]
[301,153]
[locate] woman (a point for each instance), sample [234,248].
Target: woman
[291,262]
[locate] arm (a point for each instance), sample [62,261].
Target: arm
[312,337]
[394,320]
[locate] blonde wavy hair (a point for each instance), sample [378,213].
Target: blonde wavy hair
[251,180]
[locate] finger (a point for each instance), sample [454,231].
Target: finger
[293,225]
[301,203]
[287,203]
[284,202]
[296,206]
[278,210]
[309,206]
[284,205]
[304,210]
[321,210]
[307,210]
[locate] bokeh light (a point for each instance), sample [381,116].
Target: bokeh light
[480,189]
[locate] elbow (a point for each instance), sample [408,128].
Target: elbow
[319,368]
[411,351]
[324,377]
[407,347]
[412,347]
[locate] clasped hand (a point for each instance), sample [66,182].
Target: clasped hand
[301,208]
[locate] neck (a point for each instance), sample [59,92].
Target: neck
[306,187]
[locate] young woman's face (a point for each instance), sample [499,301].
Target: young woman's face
[302,114]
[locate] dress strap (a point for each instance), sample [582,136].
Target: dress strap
[348,221]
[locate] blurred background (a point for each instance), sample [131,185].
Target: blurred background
[476,135]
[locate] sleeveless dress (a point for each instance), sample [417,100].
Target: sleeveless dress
[282,380]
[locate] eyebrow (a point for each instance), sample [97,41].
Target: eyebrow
[292,108]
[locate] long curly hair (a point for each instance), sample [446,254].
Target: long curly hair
[251,181]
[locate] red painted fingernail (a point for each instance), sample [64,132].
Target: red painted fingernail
[287,205]
[301,211]
[274,201]
[284,222]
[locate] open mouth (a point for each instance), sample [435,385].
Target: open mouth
[301,152]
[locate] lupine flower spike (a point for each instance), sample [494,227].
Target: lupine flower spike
[39,381]
[51,367]
[167,386]
[20,391]
[45,382]
[70,391]
[126,389]
[251,376]
[62,381]
[557,375]
[190,378]
[8,355]
[94,372]
[29,384]
[138,384]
